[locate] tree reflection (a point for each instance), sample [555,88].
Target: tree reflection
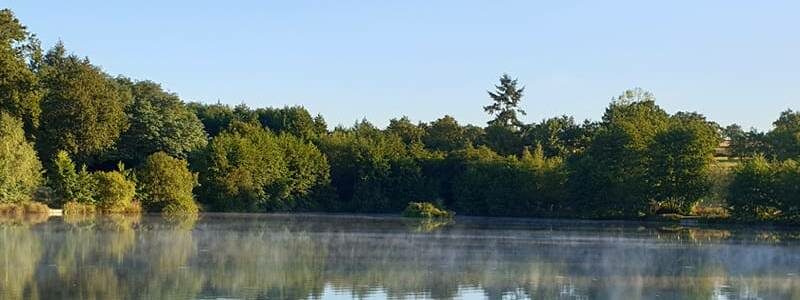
[290,257]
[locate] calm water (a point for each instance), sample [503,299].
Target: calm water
[344,257]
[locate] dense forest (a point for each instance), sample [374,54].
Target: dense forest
[76,137]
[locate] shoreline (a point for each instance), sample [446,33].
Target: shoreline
[666,219]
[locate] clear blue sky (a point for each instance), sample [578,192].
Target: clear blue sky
[735,61]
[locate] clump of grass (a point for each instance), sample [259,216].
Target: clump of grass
[425,210]
[135,207]
[35,208]
[76,208]
[711,212]
[18,209]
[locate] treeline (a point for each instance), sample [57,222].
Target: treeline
[75,136]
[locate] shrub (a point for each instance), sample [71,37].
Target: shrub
[425,210]
[165,184]
[114,193]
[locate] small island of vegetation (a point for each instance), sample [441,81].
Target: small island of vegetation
[425,210]
[77,138]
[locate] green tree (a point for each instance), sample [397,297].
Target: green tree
[489,184]
[20,168]
[243,169]
[474,135]
[559,136]
[20,94]
[445,134]
[165,185]
[376,172]
[215,117]
[295,120]
[503,140]
[408,132]
[752,189]
[785,136]
[320,126]
[610,178]
[83,110]
[505,103]
[745,144]
[68,183]
[308,179]
[680,159]
[159,121]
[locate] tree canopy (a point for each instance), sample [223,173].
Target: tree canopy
[83,109]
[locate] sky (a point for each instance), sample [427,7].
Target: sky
[734,61]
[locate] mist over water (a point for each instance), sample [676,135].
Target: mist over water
[375,257]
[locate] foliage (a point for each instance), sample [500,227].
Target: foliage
[637,160]
[763,190]
[610,178]
[242,169]
[215,117]
[784,139]
[405,130]
[294,120]
[114,193]
[425,210]
[445,134]
[20,94]
[165,184]
[680,158]
[83,110]
[69,184]
[559,136]
[248,168]
[373,172]
[77,208]
[20,168]
[505,103]
[308,178]
[158,122]
[503,140]
[492,185]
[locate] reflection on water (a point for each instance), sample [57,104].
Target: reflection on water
[342,257]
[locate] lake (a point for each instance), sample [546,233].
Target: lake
[307,256]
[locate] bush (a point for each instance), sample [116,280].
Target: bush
[114,193]
[20,169]
[425,210]
[165,184]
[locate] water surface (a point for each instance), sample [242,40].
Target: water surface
[375,257]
